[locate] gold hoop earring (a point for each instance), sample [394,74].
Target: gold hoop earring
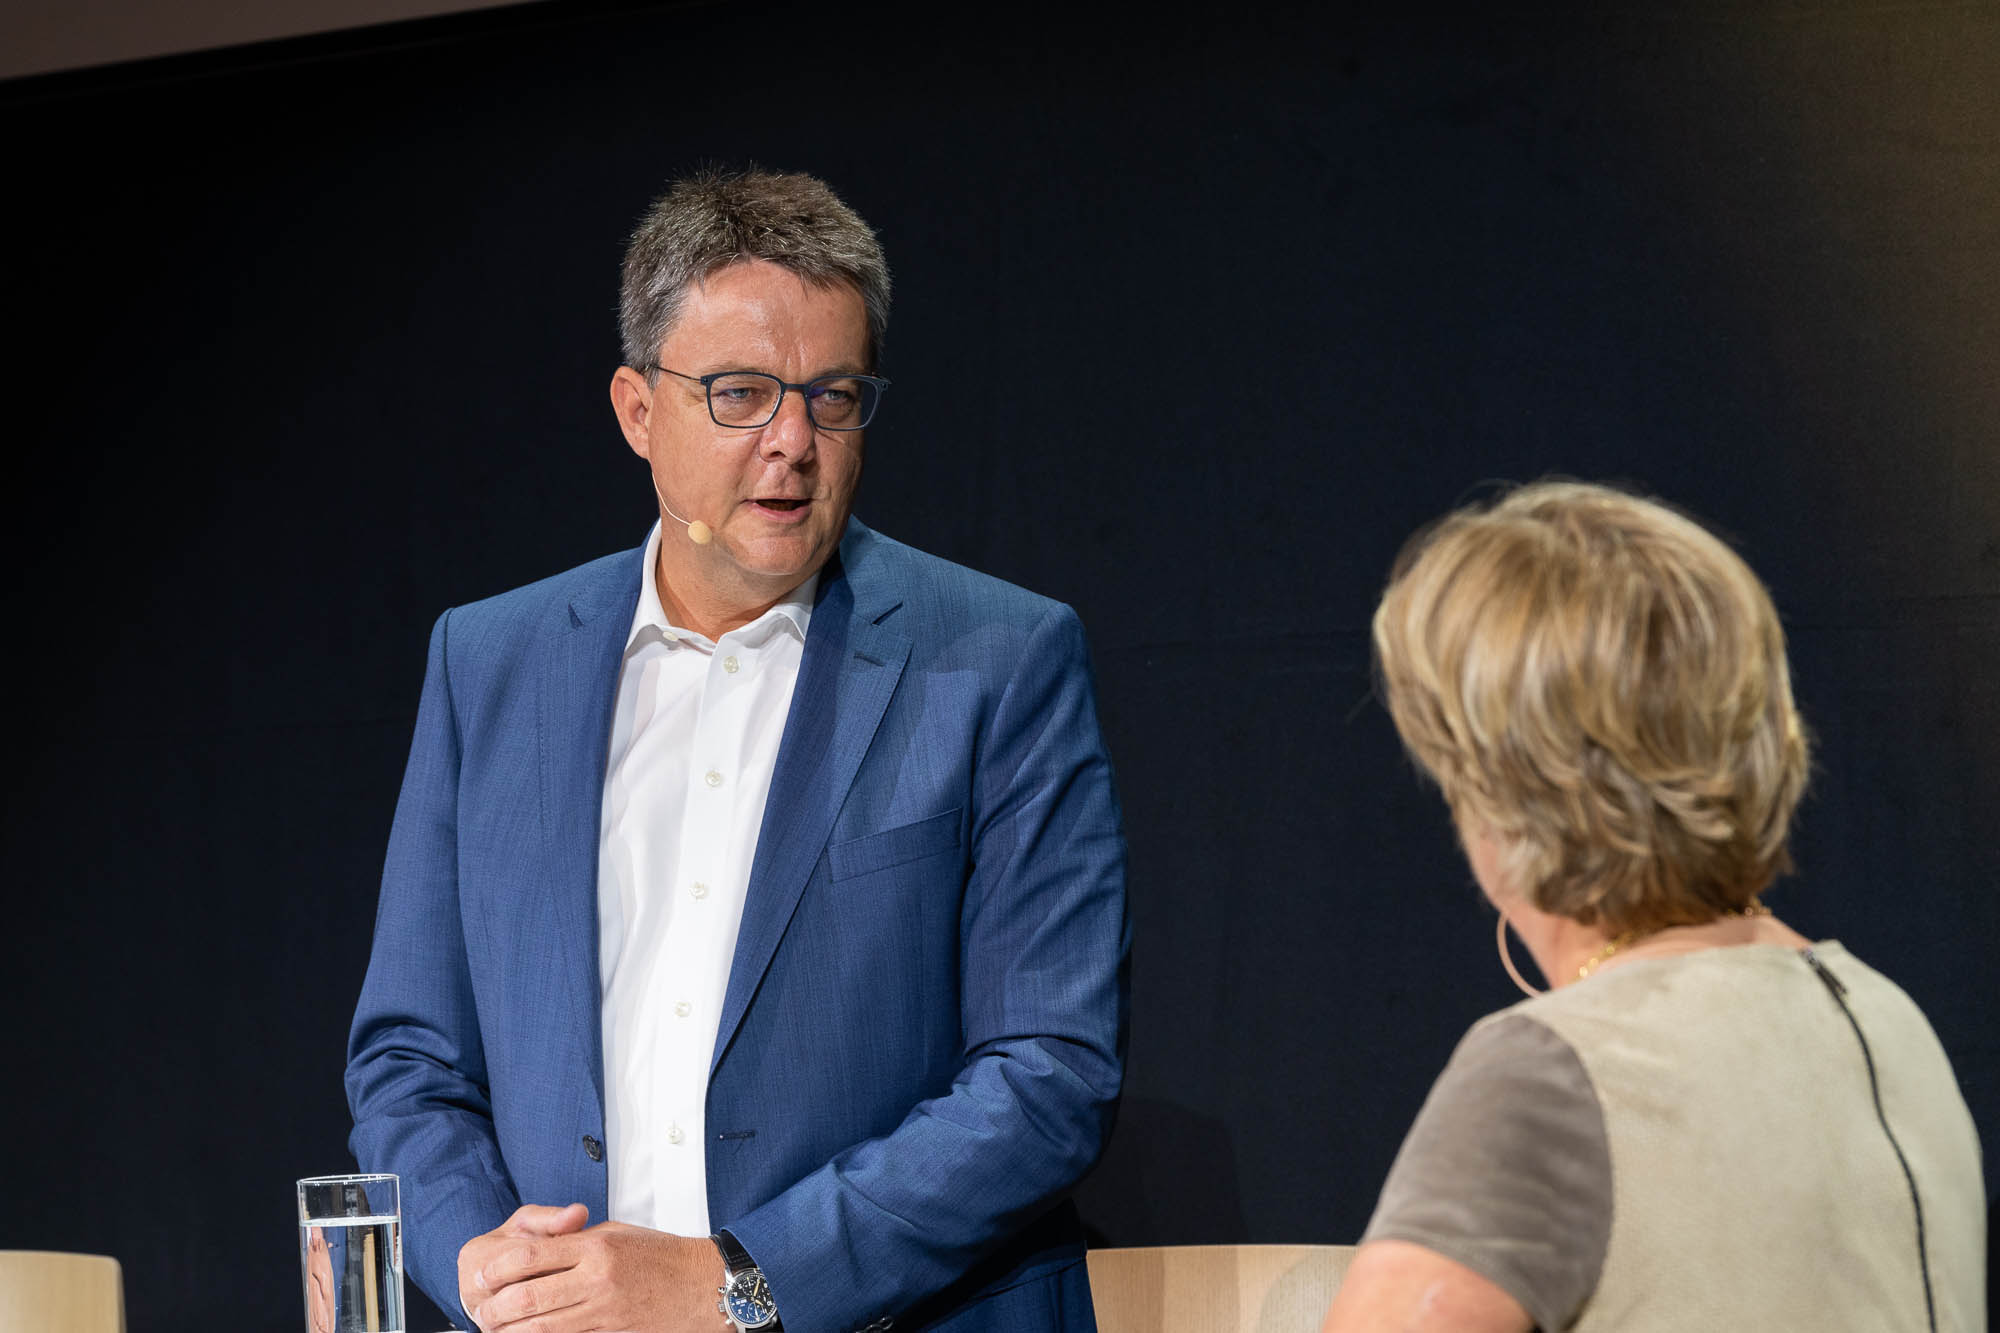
[1507,959]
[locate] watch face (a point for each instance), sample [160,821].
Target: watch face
[749,1298]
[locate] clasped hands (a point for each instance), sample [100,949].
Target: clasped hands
[545,1271]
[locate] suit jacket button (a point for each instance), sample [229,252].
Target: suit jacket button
[592,1148]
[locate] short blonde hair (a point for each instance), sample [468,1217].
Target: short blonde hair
[1602,682]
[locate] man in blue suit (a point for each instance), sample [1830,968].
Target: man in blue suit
[760,891]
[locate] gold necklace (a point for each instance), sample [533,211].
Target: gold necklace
[1623,941]
[1626,939]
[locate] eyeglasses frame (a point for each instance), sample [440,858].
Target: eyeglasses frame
[706,381]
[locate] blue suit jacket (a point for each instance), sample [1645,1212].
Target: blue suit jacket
[922,1040]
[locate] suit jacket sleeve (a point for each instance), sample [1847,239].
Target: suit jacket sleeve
[1043,947]
[416,1071]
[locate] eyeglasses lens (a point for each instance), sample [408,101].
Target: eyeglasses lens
[841,403]
[836,402]
[744,400]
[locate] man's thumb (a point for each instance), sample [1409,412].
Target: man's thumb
[533,1219]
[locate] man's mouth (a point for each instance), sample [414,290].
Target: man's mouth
[783,506]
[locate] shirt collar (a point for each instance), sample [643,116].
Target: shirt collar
[794,609]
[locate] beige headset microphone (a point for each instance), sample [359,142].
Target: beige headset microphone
[698,532]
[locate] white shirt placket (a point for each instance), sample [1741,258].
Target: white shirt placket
[702,940]
[695,739]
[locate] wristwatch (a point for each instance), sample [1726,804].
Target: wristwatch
[745,1297]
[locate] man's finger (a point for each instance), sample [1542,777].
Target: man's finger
[521,1258]
[525,1300]
[490,1262]
[533,1219]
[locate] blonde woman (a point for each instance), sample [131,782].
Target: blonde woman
[1708,1121]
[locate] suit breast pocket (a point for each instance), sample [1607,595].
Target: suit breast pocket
[893,847]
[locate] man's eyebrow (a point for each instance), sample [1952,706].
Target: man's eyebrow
[738,367]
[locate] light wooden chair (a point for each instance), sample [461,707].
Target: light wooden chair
[1215,1288]
[49,1292]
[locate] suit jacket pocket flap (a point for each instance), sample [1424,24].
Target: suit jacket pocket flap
[892,847]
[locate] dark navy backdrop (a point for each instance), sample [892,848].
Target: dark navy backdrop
[1198,316]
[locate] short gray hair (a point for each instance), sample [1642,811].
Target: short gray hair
[709,220]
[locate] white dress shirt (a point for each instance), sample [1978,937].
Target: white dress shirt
[694,739]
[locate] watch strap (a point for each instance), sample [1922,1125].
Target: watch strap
[734,1257]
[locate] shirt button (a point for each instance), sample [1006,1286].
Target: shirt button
[670,636]
[700,890]
[674,1134]
[713,779]
[682,1008]
[729,664]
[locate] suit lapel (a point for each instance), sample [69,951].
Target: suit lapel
[848,672]
[578,687]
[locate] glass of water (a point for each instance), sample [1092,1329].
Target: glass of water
[351,1253]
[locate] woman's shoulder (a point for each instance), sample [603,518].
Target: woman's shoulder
[1507,1168]
[1679,1045]
[1681,994]
[1520,1034]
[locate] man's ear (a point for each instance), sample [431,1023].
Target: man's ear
[632,402]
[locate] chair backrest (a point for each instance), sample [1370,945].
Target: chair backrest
[1215,1288]
[48,1292]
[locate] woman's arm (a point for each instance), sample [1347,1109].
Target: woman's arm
[1497,1212]
[1395,1285]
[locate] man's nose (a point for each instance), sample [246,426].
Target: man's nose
[791,433]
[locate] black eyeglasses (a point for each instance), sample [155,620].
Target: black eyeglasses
[747,399]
